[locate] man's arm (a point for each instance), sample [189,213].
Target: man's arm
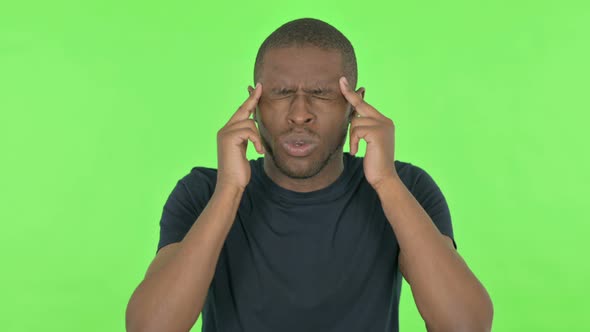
[448,295]
[173,292]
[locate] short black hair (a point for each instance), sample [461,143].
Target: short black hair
[310,32]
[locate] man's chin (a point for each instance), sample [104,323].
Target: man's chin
[299,167]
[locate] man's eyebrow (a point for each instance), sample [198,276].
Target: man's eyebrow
[282,88]
[313,88]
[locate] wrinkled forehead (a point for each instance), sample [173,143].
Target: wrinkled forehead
[283,84]
[301,66]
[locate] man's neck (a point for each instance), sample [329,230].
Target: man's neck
[324,178]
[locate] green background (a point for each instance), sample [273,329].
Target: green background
[106,104]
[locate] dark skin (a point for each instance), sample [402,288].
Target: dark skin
[447,294]
[173,292]
[301,94]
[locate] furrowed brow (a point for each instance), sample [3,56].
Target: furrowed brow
[319,89]
[315,87]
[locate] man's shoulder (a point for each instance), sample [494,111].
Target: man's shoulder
[403,166]
[420,182]
[411,174]
[200,178]
[204,177]
[202,171]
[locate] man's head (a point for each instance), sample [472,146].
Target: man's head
[311,33]
[302,115]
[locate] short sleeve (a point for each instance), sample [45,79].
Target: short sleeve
[182,208]
[432,200]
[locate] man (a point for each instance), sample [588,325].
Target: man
[306,238]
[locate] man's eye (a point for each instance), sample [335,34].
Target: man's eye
[322,97]
[284,94]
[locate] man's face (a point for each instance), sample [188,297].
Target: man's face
[302,115]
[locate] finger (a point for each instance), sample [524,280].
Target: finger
[353,143]
[356,133]
[248,123]
[243,124]
[242,135]
[355,123]
[360,106]
[248,106]
[364,121]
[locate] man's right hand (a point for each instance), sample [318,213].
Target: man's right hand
[233,168]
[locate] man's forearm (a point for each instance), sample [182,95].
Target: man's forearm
[447,294]
[172,297]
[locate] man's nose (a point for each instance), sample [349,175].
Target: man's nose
[300,110]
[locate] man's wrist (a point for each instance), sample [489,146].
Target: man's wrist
[227,189]
[387,184]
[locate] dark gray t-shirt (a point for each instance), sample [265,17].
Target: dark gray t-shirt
[319,261]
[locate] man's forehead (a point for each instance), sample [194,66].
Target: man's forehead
[312,82]
[294,59]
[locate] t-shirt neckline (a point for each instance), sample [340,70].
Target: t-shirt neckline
[328,193]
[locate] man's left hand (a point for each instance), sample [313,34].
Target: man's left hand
[379,133]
